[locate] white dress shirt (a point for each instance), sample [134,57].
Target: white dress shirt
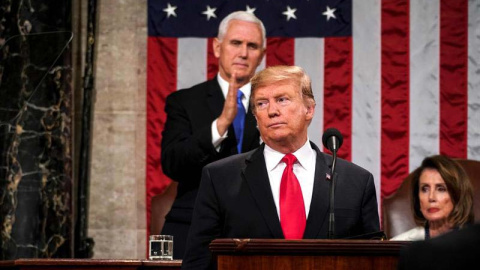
[304,170]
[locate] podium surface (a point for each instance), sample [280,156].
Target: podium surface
[261,254]
[275,254]
[88,264]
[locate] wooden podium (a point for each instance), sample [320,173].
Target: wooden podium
[261,254]
[88,264]
[279,254]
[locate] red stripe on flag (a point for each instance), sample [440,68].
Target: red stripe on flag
[337,110]
[280,51]
[212,61]
[395,94]
[453,77]
[161,81]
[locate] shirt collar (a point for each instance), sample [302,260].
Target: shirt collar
[303,155]
[246,89]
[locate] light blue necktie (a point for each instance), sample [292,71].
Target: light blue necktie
[239,121]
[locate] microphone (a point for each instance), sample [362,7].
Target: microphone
[332,140]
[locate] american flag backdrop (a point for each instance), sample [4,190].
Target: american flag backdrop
[400,79]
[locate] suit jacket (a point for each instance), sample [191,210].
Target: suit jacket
[453,250]
[187,141]
[235,201]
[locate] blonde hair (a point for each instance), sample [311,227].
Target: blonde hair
[294,75]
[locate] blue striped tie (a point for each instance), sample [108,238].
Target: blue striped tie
[239,121]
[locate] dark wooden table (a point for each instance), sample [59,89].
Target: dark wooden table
[244,254]
[89,264]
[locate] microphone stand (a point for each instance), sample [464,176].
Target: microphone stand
[331,218]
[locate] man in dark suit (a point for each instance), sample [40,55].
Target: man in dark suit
[255,194]
[200,121]
[454,250]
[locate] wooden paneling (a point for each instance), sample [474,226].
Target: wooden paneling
[273,254]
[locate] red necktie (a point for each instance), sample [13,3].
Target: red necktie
[292,209]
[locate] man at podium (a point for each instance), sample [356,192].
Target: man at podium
[281,189]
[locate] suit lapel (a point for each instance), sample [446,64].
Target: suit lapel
[215,98]
[251,133]
[317,215]
[256,176]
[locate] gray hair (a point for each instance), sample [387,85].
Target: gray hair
[241,16]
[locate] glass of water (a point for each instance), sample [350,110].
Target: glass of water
[160,247]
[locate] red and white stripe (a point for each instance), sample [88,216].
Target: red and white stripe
[406,84]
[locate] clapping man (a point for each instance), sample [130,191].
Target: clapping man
[211,120]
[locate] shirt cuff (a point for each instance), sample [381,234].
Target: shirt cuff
[216,138]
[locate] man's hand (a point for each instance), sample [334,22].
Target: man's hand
[230,107]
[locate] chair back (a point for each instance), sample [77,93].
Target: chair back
[397,212]
[161,204]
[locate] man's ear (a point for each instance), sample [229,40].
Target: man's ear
[216,47]
[310,110]
[264,52]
